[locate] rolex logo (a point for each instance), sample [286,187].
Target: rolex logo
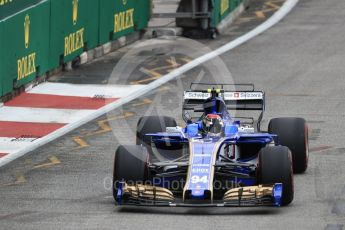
[27,30]
[75,11]
[124,2]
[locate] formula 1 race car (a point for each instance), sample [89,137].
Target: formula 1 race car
[216,159]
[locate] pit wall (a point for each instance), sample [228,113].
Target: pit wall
[37,37]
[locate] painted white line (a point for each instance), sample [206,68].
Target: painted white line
[279,15]
[85,90]
[25,114]
[12,145]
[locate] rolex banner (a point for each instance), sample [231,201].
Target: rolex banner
[25,46]
[74,29]
[37,36]
[120,17]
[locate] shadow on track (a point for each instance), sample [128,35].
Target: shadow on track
[202,211]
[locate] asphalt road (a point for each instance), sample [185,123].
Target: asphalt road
[299,63]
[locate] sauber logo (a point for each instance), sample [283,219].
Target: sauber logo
[75,11]
[27,30]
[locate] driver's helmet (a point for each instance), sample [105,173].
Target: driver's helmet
[212,124]
[214,105]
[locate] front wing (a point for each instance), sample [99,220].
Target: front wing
[146,195]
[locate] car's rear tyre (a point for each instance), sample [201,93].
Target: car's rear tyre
[275,166]
[130,165]
[155,124]
[293,133]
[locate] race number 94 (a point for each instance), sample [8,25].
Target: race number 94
[197,179]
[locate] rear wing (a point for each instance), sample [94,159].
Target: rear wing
[244,99]
[234,100]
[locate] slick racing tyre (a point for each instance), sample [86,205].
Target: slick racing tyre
[293,133]
[275,166]
[152,124]
[130,165]
[155,124]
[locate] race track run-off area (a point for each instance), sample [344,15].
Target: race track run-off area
[66,183]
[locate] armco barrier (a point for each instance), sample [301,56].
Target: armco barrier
[74,28]
[25,40]
[120,17]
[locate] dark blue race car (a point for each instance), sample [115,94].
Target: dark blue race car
[216,159]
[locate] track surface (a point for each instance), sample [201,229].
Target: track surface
[299,63]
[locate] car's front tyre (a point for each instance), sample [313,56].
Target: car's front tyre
[156,124]
[275,166]
[130,165]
